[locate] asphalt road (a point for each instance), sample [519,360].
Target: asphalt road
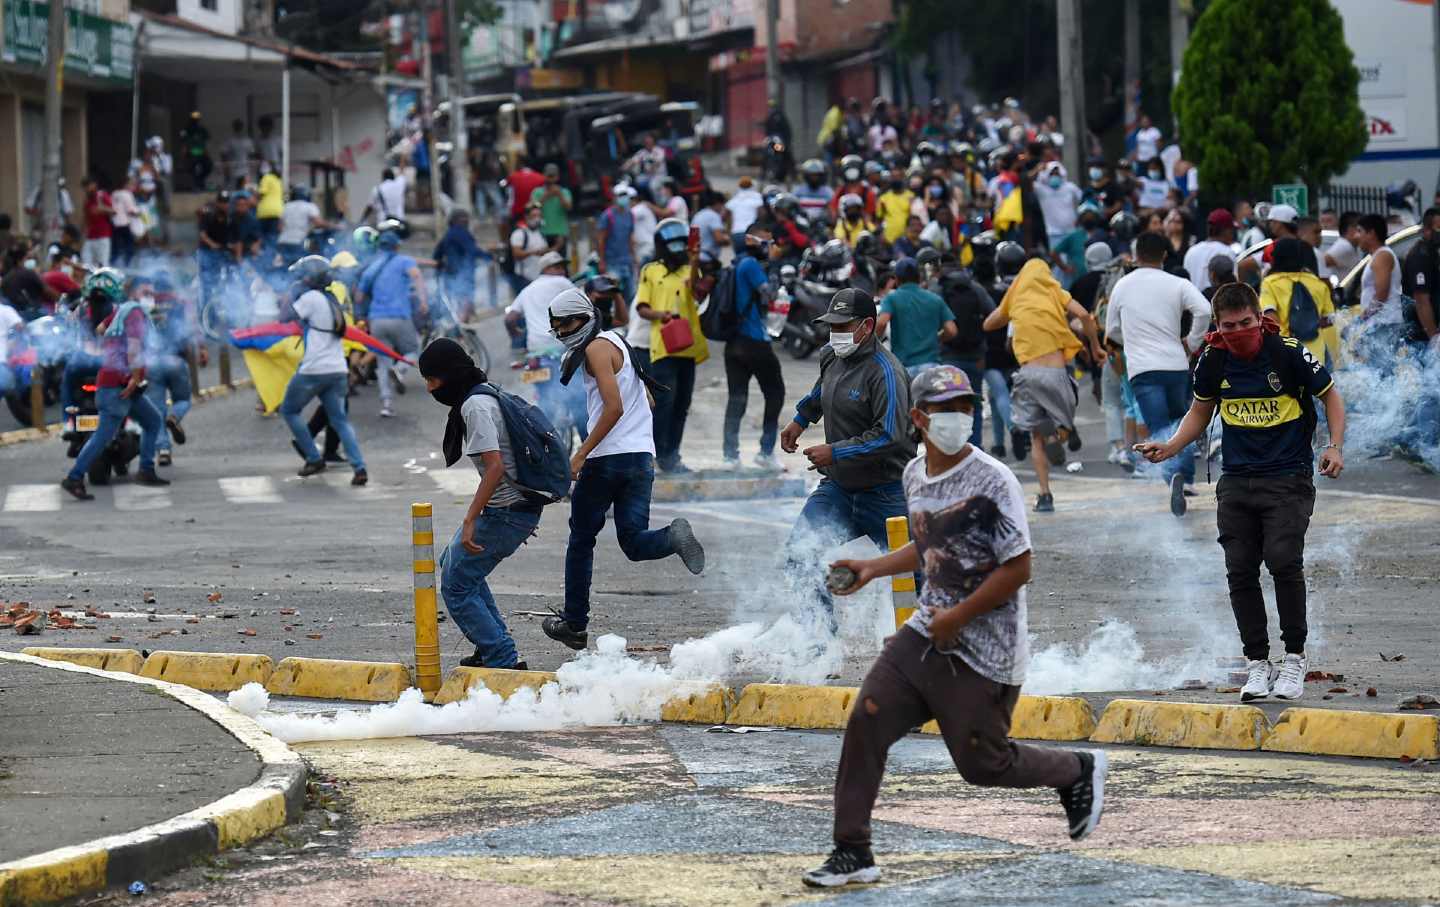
[1124,596]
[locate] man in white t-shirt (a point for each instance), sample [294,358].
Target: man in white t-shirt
[1220,236]
[388,199]
[1147,309]
[613,468]
[1344,253]
[299,216]
[10,321]
[743,206]
[323,371]
[500,517]
[643,233]
[527,246]
[1059,200]
[563,404]
[1147,141]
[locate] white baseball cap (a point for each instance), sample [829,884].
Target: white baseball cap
[1285,214]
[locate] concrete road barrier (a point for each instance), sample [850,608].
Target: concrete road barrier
[500,681]
[328,678]
[218,672]
[1379,735]
[1187,724]
[128,661]
[793,706]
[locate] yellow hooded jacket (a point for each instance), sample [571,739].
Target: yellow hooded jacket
[1275,291]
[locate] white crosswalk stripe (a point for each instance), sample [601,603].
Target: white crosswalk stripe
[250,490]
[141,497]
[32,498]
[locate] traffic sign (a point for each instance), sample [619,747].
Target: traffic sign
[1296,195]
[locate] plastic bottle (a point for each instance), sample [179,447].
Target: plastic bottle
[779,313]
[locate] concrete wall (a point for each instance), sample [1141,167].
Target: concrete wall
[225,17]
[19,169]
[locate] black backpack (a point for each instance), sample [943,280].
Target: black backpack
[1304,313]
[721,318]
[963,299]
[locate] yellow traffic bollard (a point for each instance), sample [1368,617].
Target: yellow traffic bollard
[427,625]
[902,586]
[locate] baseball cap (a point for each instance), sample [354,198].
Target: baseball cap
[848,305]
[1220,218]
[1098,255]
[551,259]
[938,384]
[1283,213]
[907,269]
[625,189]
[551,170]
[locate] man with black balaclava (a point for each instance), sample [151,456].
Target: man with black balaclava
[614,467]
[499,519]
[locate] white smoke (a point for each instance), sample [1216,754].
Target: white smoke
[1112,658]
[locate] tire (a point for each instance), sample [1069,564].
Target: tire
[19,407]
[799,349]
[473,345]
[209,318]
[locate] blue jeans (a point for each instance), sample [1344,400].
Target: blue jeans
[976,374]
[1164,398]
[169,373]
[114,410]
[212,264]
[833,516]
[624,273]
[563,404]
[622,480]
[462,581]
[331,391]
[997,386]
[7,379]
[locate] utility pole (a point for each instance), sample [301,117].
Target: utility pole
[1132,63]
[427,102]
[459,138]
[772,53]
[1072,84]
[1179,37]
[54,92]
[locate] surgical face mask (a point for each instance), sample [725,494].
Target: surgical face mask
[844,343]
[1056,181]
[30,264]
[948,432]
[852,175]
[147,303]
[623,201]
[1097,174]
[937,191]
[1157,174]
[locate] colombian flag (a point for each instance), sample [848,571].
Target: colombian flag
[273,351]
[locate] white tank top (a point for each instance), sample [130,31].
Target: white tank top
[1389,308]
[635,432]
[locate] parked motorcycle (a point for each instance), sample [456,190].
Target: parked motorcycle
[45,342]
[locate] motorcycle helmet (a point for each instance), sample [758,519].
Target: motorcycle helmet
[313,271]
[600,285]
[832,256]
[786,204]
[769,194]
[867,245]
[1125,226]
[851,200]
[343,260]
[299,193]
[1009,259]
[670,239]
[788,273]
[107,284]
[926,150]
[928,256]
[875,168]
[365,239]
[1098,256]
[814,171]
[850,168]
[987,145]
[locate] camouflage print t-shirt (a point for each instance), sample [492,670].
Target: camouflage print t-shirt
[965,523]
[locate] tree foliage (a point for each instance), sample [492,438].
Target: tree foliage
[1268,94]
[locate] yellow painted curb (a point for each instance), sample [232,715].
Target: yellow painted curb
[30,882]
[500,681]
[704,703]
[793,706]
[1188,724]
[218,672]
[1380,735]
[328,678]
[1045,718]
[126,660]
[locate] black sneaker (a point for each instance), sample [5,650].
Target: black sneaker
[475,660]
[1020,443]
[311,467]
[687,546]
[998,451]
[1045,503]
[1073,442]
[360,478]
[1177,494]
[76,487]
[176,432]
[148,477]
[845,866]
[163,458]
[557,629]
[1084,800]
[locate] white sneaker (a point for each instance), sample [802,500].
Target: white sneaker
[729,464]
[386,411]
[770,463]
[1257,685]
[1290,683]
[1116,456]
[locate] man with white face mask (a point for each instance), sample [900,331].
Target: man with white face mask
[862,397]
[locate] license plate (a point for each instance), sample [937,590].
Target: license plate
[535,376]
[87,423]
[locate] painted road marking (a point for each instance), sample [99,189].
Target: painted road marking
[141,497]
[250,490]
[32,498]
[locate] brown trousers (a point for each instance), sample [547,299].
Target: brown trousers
[905,688]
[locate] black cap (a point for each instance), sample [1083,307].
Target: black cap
[848,305]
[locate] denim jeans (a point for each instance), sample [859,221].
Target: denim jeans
[976,374]
[624,273]
[563,404]
[169,374]
[1112,401]
[997,387]
[672,406]
[212,272]
[331,391]
[833,516]
[745,358]
[114,410]
[622,480]
[1164,398]
[7,379]
[462,581]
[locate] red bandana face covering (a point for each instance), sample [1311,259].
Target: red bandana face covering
[1246,343]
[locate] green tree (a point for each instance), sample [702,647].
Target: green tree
[1268,94]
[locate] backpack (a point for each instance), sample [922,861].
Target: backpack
[1292,382]
[542,467]
[507,253]
[337,315]
[1304,313]
[963,299]
[721,318]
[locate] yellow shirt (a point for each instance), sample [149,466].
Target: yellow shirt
[831,124]
[669,291]
[1035,305]
[893,209]
[846,233]
[272,197]
[1275,291]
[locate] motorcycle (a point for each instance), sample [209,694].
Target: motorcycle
[44,342]
[535,371]
[82,419]
[443,321]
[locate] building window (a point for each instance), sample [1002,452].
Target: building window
[211,5]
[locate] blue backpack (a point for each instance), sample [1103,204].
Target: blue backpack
[542,467]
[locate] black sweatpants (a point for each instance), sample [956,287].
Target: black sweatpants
[746,358]
[1264,519]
